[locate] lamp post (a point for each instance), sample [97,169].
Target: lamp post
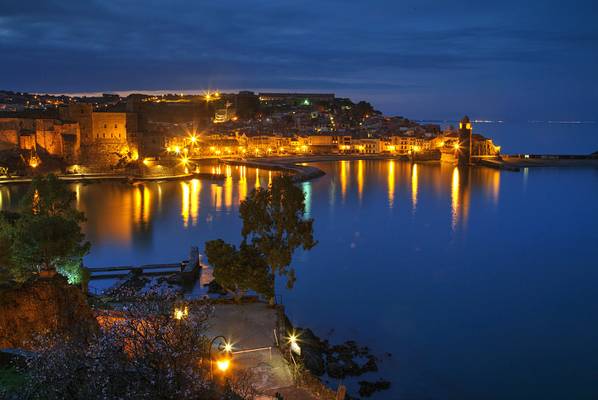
[224,363]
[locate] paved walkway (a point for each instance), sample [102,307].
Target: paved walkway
[250,327]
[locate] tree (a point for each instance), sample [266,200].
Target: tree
[273,222]
[139,353]
[47,233]
[238,271]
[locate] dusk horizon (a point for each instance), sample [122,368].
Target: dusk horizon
[495,60]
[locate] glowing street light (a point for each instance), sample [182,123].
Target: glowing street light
[224,362]
[293,340]
[456,146]
[181,313]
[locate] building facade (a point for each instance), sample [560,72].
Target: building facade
[105,136]
[42,135]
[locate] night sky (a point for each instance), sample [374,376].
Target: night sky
[507,59]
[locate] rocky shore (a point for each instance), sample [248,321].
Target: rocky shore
[339,361]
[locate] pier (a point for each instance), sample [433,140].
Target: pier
[189,270]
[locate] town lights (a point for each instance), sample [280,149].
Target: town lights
[177,150]
[193,139]
[184,160]
[456,146]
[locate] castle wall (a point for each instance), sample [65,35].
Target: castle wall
[105,136]
[54,137]
[9,132]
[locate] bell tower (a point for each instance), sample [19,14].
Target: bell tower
[465,141]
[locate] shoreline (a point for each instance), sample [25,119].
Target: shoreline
[304,173]
[101,177]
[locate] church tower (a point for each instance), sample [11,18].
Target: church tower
[465,141]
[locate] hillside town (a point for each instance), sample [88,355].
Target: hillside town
[109,132]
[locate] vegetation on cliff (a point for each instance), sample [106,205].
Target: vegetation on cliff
[45,233]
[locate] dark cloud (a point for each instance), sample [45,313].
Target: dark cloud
[425,51]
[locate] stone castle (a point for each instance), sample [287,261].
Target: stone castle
[78,135]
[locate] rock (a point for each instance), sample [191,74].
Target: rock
[312,349]
[335,370]
[43,306]
[370,365]
[366,389]
[313,361]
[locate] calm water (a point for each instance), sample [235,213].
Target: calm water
[482,284]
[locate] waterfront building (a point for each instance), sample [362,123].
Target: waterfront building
[44,135]
[367,146]
[463,146]
[105,136]
[409,143]
[465,142]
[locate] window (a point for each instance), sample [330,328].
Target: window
[115,126]
[105,126]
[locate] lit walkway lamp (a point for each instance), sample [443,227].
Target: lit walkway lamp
[293,341]
[224,360]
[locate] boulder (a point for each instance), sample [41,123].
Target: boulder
[366,389]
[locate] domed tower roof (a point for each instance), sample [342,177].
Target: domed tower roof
[465,120]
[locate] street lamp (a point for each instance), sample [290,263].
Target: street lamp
[293,340]
[224,362]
